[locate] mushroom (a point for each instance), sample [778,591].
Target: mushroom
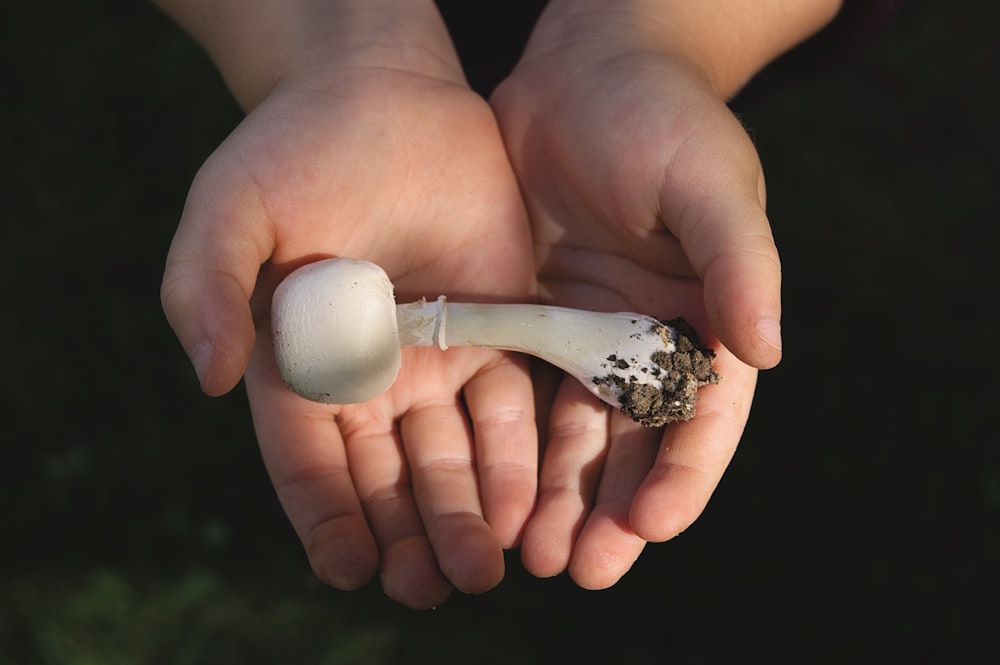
[338,332]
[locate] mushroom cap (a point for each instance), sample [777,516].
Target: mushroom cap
[335,334]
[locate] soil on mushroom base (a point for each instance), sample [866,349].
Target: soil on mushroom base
[685,370]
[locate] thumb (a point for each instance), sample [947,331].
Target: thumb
[727,237]
[741,273]
[209,276]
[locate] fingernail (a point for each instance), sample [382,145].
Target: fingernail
[770,331]
[201,358]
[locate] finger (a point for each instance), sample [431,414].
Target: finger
[501,405]
[305,457]
[439,449]
[607,546]
[719,217]
[409,568]
[210,272]
[571,468]
[694,455]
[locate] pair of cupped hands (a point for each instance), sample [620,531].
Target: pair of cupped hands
[601,174]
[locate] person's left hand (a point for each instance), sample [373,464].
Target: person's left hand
[646,195]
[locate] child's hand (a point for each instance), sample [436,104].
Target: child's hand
[404,166]
[644,194]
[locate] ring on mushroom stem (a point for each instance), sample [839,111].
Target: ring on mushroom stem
[338,332]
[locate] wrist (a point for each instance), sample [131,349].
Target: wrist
[728,41]
[255,44]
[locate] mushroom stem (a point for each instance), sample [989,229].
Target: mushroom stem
[650,369]
[605,351]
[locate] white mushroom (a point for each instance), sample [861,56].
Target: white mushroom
[338,332]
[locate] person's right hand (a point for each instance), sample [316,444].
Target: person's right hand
[400,163]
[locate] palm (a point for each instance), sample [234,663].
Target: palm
[613,174]
[408,172]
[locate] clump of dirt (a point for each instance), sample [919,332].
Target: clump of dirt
[684,371]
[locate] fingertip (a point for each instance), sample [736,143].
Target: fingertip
[201,357]
[543,558]
[757,345]
[213,322]
[219,368]
[605,551]
[769,332]
[410,576]
[470,556]
[746,321]
[595,570]
[347,562]
[551,532]
[663,512]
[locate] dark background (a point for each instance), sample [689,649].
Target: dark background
[859,521]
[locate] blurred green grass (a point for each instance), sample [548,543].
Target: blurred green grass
[859,521]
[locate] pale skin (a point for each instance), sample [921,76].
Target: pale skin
[362,139]
[645,193]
